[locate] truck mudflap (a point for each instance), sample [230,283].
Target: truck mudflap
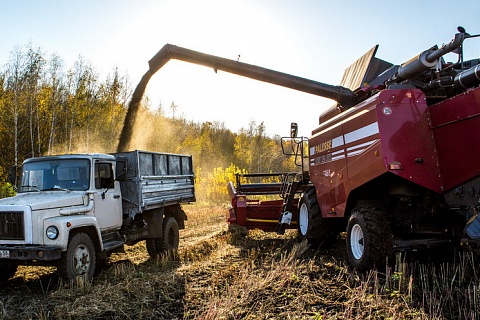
[24,253]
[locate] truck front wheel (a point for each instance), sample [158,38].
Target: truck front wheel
[79,259]
[311,224]
[369,240]
[7,269]
[169,241]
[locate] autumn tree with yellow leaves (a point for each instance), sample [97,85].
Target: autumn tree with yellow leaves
[47,109]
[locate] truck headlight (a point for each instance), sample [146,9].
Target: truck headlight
[52,233]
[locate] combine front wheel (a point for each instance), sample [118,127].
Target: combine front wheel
[369,240]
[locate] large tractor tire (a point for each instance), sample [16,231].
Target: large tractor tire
[369,238]
[7,269]
[79,259]
[169,240]
[312,226]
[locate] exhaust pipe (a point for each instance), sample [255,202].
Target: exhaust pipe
[468,78]
[428,59]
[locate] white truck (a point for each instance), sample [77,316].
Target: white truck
[72,211]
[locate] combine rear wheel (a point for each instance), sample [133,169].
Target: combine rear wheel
[311,224]
[369,239]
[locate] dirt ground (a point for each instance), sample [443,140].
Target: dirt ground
[217,274]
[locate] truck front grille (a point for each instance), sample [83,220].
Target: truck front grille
[11,225]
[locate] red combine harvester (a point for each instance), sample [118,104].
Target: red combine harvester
[395,163]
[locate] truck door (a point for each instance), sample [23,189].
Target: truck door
[107,197]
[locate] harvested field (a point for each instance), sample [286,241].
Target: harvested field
[230,274]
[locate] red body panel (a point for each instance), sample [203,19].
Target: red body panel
[343,151]
[456,129]
[359,145]
[406,137]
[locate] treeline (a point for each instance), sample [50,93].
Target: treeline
[218,153]
[46,108]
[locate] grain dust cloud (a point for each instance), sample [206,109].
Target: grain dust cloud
[133,106]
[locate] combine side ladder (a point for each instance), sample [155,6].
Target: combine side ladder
[288,190]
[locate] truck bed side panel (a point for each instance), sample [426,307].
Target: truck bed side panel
[155,180]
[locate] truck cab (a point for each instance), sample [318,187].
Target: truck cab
[69,176]
[59,198]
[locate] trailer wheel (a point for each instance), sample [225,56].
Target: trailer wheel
[311,225]
[7,269]
[79,259]
[169,241]
[369,239]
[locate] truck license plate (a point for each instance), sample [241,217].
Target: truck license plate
[4,254]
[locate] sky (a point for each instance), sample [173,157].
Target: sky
[313,39]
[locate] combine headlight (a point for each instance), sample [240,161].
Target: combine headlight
[52,233]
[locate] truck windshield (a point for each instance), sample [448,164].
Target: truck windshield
[55,174]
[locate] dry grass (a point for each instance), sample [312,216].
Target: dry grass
[274,277]
[222,274]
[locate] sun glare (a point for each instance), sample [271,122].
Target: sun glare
[239,31]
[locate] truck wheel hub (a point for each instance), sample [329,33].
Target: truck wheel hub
[81,260]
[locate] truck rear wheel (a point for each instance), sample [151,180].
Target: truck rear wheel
[7,269]
[311,225]
[79,259]
[369,240]
[169,241]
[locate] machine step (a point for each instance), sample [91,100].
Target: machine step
[473,227]
[112,241]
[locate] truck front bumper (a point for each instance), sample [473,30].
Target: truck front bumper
[30,252]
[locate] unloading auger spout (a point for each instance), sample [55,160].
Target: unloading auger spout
[340,94]
[344,96]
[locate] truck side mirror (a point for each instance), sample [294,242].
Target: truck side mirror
[121,170]
[12,175]
[293,130]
